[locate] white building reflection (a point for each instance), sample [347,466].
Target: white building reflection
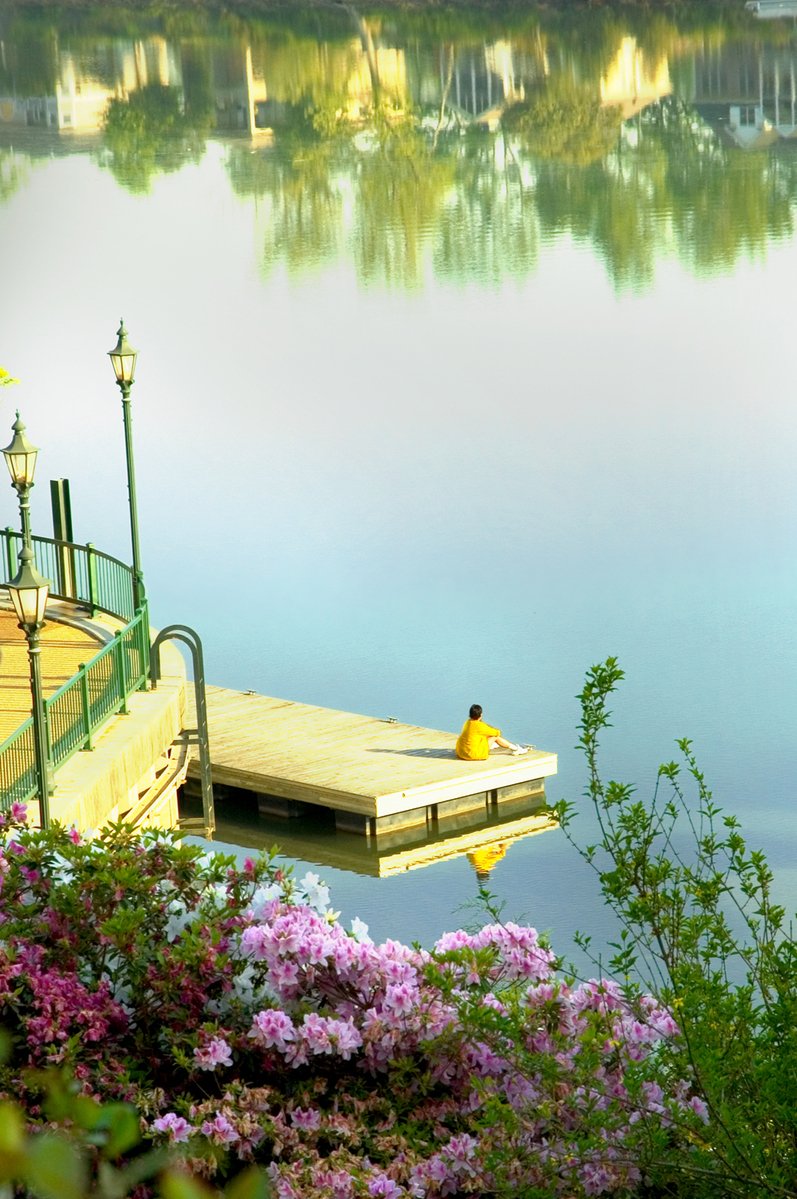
[81,93]
[746,91]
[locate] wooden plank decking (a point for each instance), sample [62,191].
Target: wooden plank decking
[375,773]
[63,648]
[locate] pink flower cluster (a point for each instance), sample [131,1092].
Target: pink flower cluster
[374,1007]
[247,1024]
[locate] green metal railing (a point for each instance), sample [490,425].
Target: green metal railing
[101,687]
[80,573]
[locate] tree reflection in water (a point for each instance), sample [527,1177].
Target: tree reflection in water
[413,148]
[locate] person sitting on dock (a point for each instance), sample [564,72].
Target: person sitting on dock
[477,739]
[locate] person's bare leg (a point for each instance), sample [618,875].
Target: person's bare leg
[503,744]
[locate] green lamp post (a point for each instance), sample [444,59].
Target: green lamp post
[20,458]
[29,591]
[123,360]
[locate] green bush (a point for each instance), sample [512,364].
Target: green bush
[702,932]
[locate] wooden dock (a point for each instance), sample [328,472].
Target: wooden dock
[377,775]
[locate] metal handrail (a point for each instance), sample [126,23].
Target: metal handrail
[100,689]
[81,574]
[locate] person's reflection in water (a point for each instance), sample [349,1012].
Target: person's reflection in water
[483,860]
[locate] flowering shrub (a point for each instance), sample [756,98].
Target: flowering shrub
[245,1024]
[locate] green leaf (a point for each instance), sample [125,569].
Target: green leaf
[12,1130]
[12,1141]
[176,1184]
[54,1168]
[117,1182]
[120,1124]
[83,1110]
[249,1184]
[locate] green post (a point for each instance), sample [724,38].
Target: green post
[119,664]
[28,592]
[143,642]
[11,557]
[41,736]
[123,360]
[91,563]
[86,705]
[138,578]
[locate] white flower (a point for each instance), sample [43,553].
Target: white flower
[243,984]
[119,989]
[261,898]
[179,919]
[314,893]
[216,895]
[359,930]
[247,989]
[62,869]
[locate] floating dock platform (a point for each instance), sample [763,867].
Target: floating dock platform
[377,775]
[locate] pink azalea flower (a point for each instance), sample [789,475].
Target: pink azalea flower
[216,1053]
[178,1128]
[283,977]
[220,1130]
[315,1033]
[401,998]
[699,1108]
[385,1187]
[308,1120]
[454,940]
[345,1036]
[273,1028]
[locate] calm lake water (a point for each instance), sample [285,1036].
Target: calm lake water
[465,363]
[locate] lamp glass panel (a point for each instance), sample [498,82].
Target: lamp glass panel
[41,603]
[12,464]
[30,603]
[22,466]
[124,366]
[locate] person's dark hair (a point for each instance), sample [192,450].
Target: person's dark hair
[475,711]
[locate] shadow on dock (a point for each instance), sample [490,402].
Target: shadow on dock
[431,752]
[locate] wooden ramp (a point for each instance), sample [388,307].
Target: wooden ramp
[376,774]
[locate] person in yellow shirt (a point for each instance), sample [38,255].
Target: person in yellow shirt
[477,739]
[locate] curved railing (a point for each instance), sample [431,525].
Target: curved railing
[101,688]
[80,573]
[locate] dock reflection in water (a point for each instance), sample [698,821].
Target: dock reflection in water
[484,840]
